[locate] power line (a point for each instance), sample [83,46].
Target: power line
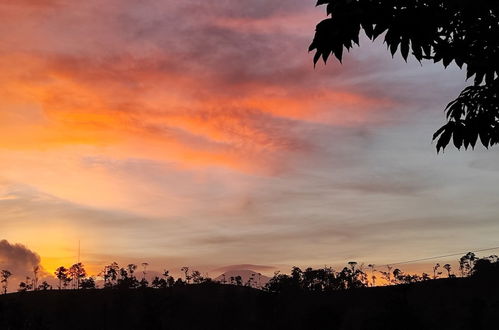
[442,256]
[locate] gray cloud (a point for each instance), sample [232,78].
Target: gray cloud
[17,258]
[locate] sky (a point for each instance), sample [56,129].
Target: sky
[195,133]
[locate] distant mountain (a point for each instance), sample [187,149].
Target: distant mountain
[253,278]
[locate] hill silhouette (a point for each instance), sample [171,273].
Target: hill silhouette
[453,303]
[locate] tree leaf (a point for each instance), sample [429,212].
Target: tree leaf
[404,48]
[445,137]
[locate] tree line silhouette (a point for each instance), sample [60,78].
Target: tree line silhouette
[358,276]
[352,276]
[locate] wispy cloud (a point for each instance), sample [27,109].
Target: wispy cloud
[208,93]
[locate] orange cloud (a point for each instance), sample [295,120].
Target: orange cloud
[174,115]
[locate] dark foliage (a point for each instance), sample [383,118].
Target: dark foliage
[318,280]
[353,276]
[463,31]
[88,283]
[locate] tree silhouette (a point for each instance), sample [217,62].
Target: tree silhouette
[166,281]
[143,283]
[286,283]
[144,269]
[387,276]
[44,286]
[196,277]
[88,283]
[352,277]
[436,273]
[62,275]
[178,282]
[448,268]
[110,274]
[5,275]
[127,278]
[185,270]
[23,286]
[158,283]
[323,279]
[105,276]
[467,263]
[26,285]
[131,268]
[373,277]
[77,273]
[318,280]
[170,281]
[399,277]
[36,269]
[486,268]
[444,31]
[66,281]
[113,272]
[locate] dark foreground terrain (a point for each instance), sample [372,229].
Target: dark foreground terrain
[441,304]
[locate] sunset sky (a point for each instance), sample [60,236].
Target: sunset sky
[199,133]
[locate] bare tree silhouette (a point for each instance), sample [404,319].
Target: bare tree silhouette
[36,269]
